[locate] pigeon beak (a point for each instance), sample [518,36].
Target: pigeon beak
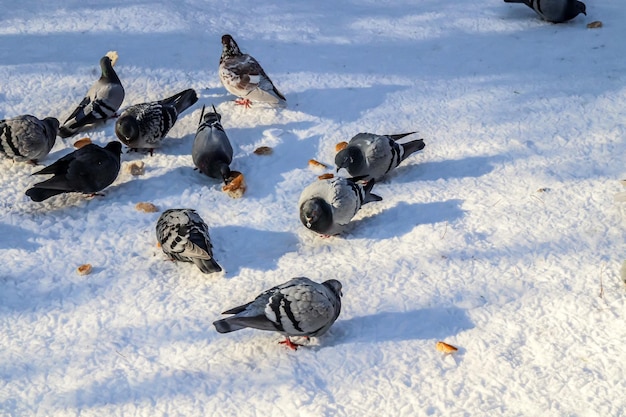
[338,168]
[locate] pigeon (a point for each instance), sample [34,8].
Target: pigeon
[555,11]
[143,126]
[373,156]
[26,138]
[103,99]
[299,307]
[86,170]
[212,151]
[243,76]
[327,206]
[184,236]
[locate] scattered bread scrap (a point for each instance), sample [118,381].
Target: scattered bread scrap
[543,190]
[326,176]
[594,25]
[446,348]
[146,207]
[263,150]
[235,185]
[315,164]
[158,244]
[341,146]
[136,168]
[113,56]
[82,142]
[84,269]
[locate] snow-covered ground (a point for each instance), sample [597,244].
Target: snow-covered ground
[501,237]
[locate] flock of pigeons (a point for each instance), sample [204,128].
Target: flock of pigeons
[299,307]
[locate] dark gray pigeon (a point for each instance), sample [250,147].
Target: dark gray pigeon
[86,170]
[26,138]
[244,77]
[184,236]
[299,307]
[143,126]
[327,206]
[373,156]
[555,11]
[212,152]
[103,99]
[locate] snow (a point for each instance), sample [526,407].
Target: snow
[502,237]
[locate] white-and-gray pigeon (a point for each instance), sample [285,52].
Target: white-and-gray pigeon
[555,11]
[26,138]
[373,156]
[87,170]
[184,236]
[143,126]
[327,206]
[299,307]
[212,152]
[103,99]
[244,77]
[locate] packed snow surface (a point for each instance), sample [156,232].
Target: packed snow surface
[502,237]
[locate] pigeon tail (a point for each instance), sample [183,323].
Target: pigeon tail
[183,100]
[225,325]
[400,136]
[412,147]
[40,194]
[369,197]
[207,266]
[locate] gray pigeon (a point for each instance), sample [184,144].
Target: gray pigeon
[26,138]
[212,152]
[373,156]
[103,99]
[299,307]
[327,206]
[143,126]
[86,170]
[555,11]
[244,77]
[184,236]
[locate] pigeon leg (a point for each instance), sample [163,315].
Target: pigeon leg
[287,342]
[243,102]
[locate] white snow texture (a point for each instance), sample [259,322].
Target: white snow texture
[502,237]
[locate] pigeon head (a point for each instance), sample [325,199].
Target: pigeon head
[106,66]
[114,147]
[580,6]
[212,117]
[316,214]
[229,47]
[51,126]
[334,285]
[214,169]
[127,129]
[349,158]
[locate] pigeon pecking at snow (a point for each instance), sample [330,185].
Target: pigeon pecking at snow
[212,152]
[328,205]
[103,99]
[86,170]
[184,236]
[299,307]
[26,138]
[555,11]
[143,126]
[244,77]
[373,156]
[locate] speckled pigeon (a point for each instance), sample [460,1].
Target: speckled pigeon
[212,152]
[26,138]
[86,170]
[555,11]
[299,307]
[243,76]
[184,236]
[143,126]
[103,99]
[327,206]
[373,156]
